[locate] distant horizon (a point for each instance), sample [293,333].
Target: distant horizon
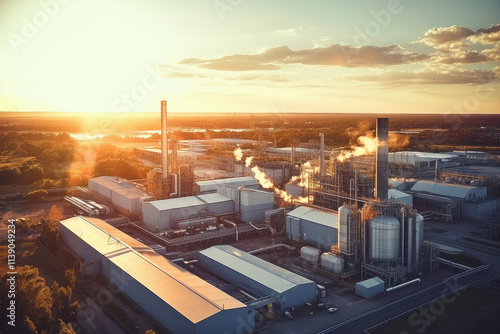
[177,114]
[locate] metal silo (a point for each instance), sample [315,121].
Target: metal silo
[309,255]
[410,250]
[332,263]
[343,224]
[419,240]
[384,238]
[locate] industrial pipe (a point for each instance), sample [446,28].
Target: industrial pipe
[403,285]
[232,223]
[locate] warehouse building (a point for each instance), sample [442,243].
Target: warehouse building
[122,194]
[211,186]
[162,215]
[251,204]
[466,202]
[316,227]
[400,196]
[424,160]
[235,266]
[177,299]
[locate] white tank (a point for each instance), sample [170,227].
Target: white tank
[332,263]
[310,255]
[384,238]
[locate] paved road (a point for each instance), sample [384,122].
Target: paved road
[359,323]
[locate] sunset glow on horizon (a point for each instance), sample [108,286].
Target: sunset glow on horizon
[250,56]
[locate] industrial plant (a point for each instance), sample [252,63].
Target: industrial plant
[337,217]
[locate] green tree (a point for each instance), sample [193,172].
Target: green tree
[63,328]
[36,195]
[28,326]
[50,234]
[33,174]
[33,299]
[63,308]
[10,175]
[70,278]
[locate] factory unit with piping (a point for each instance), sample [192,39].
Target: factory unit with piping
[357,225]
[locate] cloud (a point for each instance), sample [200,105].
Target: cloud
[429,77]
[457,37]
[447,37]
[333,55]
[489,35]
[251,77]
[462,57]
[286,32]
[184,75]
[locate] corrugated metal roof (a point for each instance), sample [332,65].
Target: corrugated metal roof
[120,186]
[444,189]
[187,293]
[268,274]
[396,194]
[189,201]
[315,216]
[240,181]
[426,155]
[370,283]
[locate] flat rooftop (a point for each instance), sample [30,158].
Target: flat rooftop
[266,273]
[189,201]
[315,216]
[493,172]
[120,186]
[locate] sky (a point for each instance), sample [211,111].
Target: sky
[253,56]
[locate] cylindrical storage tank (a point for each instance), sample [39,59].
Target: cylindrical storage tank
[310,255]
[419,240]
[384,238]
[343,224]
[332,263]
[410,251]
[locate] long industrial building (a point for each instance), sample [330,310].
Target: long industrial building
[212,186]
[176,298]
[236,266]
[121,193]
[162,215]
[462,201]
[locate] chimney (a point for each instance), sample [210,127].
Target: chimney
[382,159]
[164,141]
[322,154]
[175,147]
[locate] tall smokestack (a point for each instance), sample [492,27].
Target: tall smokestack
[322,154]
[164,141]
[382,160]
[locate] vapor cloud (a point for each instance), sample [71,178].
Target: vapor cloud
[429,77]
[333,55]
[457,37]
